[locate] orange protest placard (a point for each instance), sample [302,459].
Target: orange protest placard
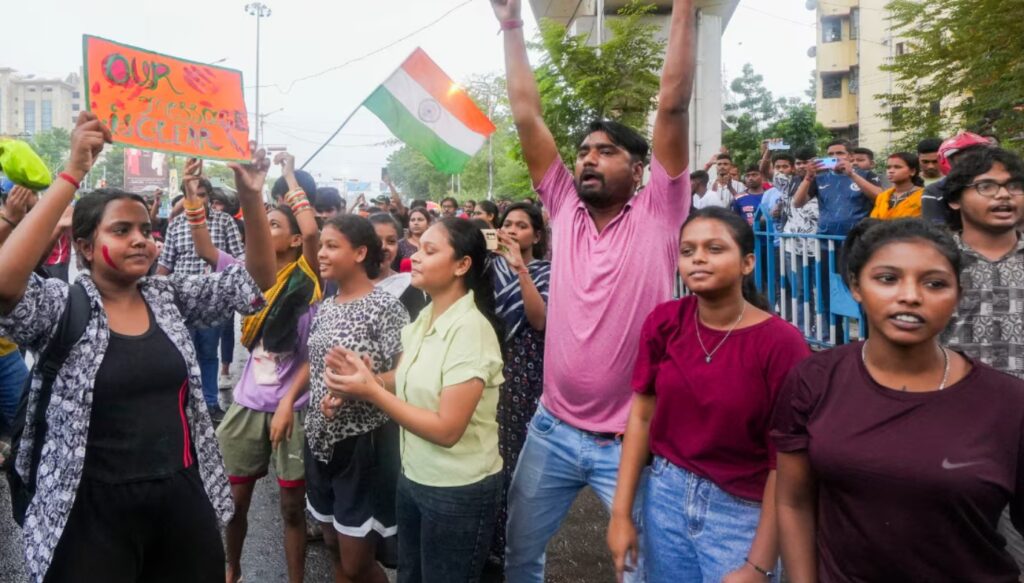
[157,102]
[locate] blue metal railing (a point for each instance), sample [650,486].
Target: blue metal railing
[787,266]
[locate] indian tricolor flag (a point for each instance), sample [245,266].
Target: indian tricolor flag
[428,111]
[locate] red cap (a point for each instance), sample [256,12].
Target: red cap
[955,144]
[405,266]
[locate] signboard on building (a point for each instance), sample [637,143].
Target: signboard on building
[144,168]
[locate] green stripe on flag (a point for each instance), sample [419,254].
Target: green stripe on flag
[415,133]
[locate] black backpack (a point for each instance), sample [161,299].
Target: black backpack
[71,328]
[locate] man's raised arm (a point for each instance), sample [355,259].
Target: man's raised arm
[672,124]
[539,147]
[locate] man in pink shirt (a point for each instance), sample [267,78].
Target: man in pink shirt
[614,256]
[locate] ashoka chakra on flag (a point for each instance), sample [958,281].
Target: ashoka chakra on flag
[428,111]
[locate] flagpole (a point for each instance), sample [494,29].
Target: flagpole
[350,116]
[334,135]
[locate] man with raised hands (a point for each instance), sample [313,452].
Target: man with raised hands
[614,257]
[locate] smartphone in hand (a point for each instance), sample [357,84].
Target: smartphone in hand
[827,163]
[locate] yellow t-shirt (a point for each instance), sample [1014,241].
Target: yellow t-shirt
[909,207]
[7,347]
[460,346]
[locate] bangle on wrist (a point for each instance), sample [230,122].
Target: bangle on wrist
[765,572]
[70,180]
[512,24]
[7,220]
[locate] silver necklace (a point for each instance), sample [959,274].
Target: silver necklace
[696,326]
[945,357]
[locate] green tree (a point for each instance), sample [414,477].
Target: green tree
[754,99]
[53,147]
[757,115]
[110,167]
[799,127]
[963,68]
[618,80]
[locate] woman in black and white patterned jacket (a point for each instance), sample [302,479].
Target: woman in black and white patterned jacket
[131,484]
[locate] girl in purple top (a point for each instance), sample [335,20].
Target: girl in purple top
[264,425]
[897,455]
[708,370]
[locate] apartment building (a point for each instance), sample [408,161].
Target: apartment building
[854,41]
[31,104]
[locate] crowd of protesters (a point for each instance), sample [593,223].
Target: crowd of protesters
[436,402]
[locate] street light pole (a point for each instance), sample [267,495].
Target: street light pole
[260,11]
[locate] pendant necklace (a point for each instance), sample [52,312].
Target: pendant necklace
[696,325]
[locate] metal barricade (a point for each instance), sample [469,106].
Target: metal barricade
[799,275]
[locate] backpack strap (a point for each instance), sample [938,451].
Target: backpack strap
[70,330]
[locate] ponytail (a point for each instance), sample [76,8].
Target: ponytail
[468,241]
[753,295]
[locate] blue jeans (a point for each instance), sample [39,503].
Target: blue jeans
[13,373]
[693,530]
[227,342]
[206,341]
[557,461]
[445,533]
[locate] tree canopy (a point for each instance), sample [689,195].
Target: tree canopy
[756,115]
[963,68]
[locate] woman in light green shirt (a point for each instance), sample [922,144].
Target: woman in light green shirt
[445,399]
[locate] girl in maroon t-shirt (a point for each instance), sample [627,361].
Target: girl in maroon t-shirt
[897,455]
[708,371]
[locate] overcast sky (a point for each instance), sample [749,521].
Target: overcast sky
[308,37]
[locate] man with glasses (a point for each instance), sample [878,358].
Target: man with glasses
[985,194]
[449,207]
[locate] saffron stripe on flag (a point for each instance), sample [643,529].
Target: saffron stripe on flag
[449,94]
[429,112]
[411,130]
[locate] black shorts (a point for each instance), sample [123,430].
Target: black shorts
[355,491]
[157,531]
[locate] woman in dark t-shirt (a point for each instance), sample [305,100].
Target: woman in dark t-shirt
[707,373]
[897,455]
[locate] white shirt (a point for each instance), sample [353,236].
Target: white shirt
[722,198]
[737,187]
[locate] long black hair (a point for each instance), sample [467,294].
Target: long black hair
[743,235]
[89,211]
[360,233]
[870,235]
[468,241]
[540,248]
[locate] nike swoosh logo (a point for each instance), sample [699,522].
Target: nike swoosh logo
[948,465]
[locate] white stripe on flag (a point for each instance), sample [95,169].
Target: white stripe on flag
[412,96]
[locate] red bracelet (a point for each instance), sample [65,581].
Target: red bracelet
[70,180]
[511,24]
